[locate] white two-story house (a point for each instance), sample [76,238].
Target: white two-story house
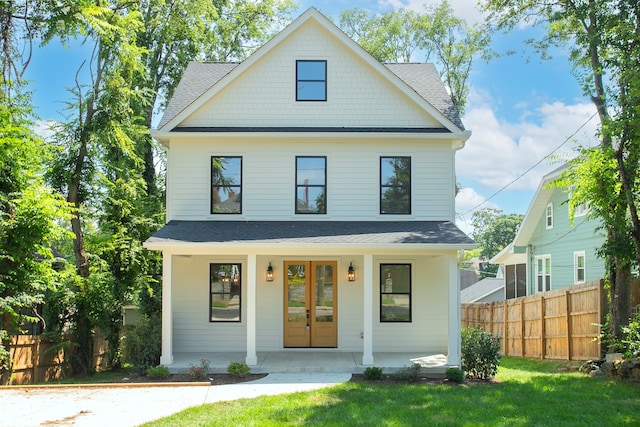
[310,204]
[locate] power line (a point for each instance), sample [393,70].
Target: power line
[532,167]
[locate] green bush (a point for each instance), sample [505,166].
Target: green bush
[480,353]
[455,375]
[200,371]
[408,374]
[159,371]
[142,343]
[238,369]
[631,340]
[373,373]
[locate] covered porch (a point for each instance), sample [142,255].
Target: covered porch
[294,361]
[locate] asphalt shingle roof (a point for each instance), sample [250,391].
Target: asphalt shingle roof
[320,232]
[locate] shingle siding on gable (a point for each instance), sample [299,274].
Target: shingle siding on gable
[265,94]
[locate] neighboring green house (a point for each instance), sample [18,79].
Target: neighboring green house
[550,251]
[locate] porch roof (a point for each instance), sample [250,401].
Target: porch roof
[294,233]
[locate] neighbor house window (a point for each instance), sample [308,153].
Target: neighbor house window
[395,292]
[549,216]
[579,209]
[311,80]
[226,185]
[543,273]
[579,267]
[225,283]
[311,185]
[395,185]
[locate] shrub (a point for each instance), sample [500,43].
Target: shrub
[631,340]
[159,371]
[200,371]
[480,353]
[408,374]
[142,343]
[455,375]
[238,369]
[373,373]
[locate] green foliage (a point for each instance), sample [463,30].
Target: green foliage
[408,374]
[159,371]
[373,373]
[631,339]
[493,231]
[455,375]
[480,353]
[142,343]
[238,369]
[199,372]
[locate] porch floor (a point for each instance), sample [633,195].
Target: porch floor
[304,361]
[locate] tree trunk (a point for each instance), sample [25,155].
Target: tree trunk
[620,296]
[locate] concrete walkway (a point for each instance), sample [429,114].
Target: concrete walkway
[131,405]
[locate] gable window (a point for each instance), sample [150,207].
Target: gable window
[225,283]
[579,267]
[311,185]
[580,209]
[549,216]
[395,292]
[395,185]
[543,272]
[226,185]
[311,80]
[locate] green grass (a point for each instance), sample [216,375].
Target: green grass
[527,393]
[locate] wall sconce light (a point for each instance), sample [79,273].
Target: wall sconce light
[270,273]
[351,273]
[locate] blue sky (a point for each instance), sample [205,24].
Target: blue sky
[520,110]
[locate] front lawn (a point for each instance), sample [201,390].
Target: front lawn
[526,393]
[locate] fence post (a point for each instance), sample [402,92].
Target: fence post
[568,304]
[505,326]
[491,318]
[522,328]
[542,330]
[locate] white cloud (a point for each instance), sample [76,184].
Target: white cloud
[499,151]
[467,199]
[44,128]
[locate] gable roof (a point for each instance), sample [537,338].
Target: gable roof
[202,81]
[483,289]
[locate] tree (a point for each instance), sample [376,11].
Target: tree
[437,35]
[603,38]
[493,231]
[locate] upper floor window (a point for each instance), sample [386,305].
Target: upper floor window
[395,292]
[311,80]
[225,283]
[226,185]
[549,216]
[543,273]
[579,267]
[311,185]
[395,185]
[579,209]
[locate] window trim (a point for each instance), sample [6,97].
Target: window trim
[549,216]
[325,81]
[212,197]
[576,266]
[546,275]
[238,292]
[383,187]
[409,293]
[324,186]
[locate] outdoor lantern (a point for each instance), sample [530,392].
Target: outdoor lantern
[269,273]
[351,273]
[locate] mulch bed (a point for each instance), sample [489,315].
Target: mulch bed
[391,379]
[216,379]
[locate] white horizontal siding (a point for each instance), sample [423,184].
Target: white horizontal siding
[268,182]
[264,95]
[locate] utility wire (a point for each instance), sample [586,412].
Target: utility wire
[532,167]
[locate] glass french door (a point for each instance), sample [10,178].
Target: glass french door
[310,304]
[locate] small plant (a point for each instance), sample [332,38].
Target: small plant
[238,369]
[408,374]
[455,375]
[200,371]
[159,371]
[480,353]
[373,373]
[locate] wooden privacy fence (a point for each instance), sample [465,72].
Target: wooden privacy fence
[560,324]
[35,359]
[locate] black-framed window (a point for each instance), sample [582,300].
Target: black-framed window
[225,285]
[226,185]
[395,185]
[311,185]
[311,80]
[395,292]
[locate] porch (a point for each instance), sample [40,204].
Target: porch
[302,361]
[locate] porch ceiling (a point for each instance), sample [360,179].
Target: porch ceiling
[301,233]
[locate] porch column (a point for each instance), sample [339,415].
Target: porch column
[166,358]
[454,312]
[367,345]
[252,357]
